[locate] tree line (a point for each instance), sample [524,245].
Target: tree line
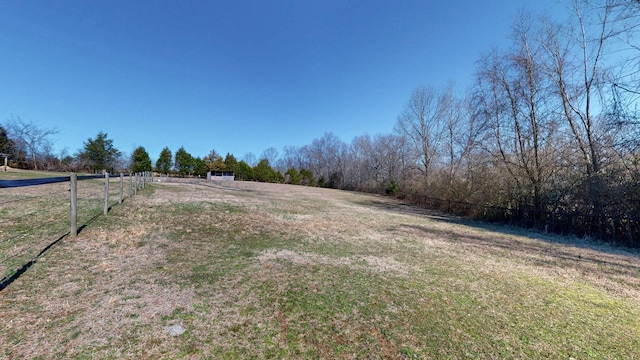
[185,164]
[28,146]
[547,136]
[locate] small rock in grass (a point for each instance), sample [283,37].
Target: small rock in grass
[175,330]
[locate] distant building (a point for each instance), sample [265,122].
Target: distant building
[221,175]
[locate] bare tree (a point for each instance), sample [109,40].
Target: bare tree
[421,123]
[577,67]
[250,158]
[361,167]
[518,106]
[390,154]
[30,138]
[292,157]
[624,110]
[272,155]
[325,159]
[453,143]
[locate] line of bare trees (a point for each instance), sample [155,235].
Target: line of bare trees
[550,127]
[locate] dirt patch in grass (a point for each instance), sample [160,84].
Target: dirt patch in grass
[253,270]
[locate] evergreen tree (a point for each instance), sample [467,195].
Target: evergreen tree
[99,153]
[200,167]
[184,164]
[214,162]
[16,155]
[7,145]
[294,176]
[140,160]
[244,171]
[264,172]
[230,163]
[307,178]
[278,177]
[163,164]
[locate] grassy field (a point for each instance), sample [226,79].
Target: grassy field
[277,271]
[35,216]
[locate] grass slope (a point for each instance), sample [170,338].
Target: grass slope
[275,271]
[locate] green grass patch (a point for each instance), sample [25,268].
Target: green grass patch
[17,174]
[315,274]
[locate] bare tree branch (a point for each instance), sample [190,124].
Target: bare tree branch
[33,139]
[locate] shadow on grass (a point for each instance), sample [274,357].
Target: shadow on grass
[8,280]
[603,257]
[15,276]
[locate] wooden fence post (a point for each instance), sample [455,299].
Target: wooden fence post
[121,187]
[135,187]
[73,213]
[106,192]
[130,184]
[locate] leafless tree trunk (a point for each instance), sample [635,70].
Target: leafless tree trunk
[576,65]
[422,125]
[324,157]
[30,137]
[515,98]
[361,170]
[453,125]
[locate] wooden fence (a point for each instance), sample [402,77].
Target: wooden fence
[38,213]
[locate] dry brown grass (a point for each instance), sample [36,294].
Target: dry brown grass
[271,271]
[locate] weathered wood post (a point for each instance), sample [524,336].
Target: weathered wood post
[135,187]
[121,187]
[130,184]
[73,213]
[106,193]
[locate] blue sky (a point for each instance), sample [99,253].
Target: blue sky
[235,76]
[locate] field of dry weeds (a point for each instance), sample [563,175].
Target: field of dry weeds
[278,271]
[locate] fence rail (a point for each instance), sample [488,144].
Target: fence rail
[38,213]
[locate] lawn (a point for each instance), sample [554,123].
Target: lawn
[279,271]
[35,216]
[19,174]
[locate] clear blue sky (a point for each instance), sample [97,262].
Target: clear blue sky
[235,76]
